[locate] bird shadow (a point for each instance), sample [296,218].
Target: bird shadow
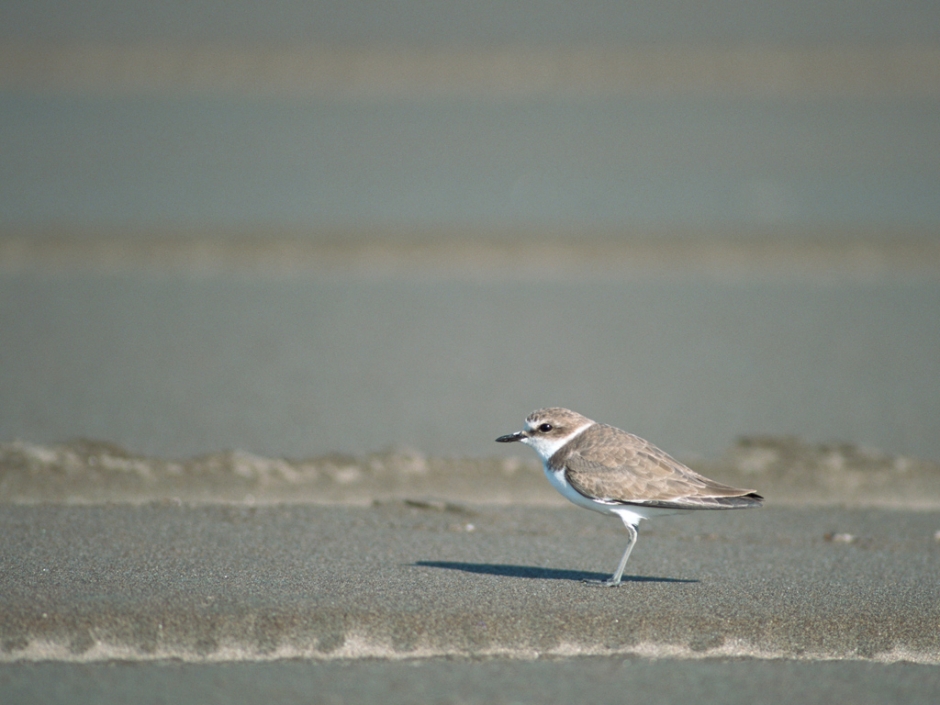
[527,571]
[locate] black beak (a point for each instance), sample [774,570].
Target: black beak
[511,437]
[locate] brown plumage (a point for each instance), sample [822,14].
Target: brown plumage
[609,465]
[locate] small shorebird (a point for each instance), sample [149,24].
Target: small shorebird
[600,467]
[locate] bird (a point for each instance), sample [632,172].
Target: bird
[611,471]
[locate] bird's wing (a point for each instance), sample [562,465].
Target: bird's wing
[634,471]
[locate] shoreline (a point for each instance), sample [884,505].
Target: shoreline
[788,471]
[524,252]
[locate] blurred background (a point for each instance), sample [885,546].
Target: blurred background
[296,228]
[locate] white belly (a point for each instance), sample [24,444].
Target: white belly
[572,495]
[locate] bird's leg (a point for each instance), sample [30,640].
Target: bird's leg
[614,580]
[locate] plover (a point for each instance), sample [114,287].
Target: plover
[600,467]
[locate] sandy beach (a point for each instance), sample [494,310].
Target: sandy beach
[273,277]
[400,580]
[442,567]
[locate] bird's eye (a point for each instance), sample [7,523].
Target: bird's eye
[545,427]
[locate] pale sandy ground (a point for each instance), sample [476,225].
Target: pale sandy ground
[232,556]
[403,577]
[411,600]
[397,580]
[352,579]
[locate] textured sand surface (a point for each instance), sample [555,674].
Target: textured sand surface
[218,583]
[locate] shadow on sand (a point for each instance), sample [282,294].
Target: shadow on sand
[526,571]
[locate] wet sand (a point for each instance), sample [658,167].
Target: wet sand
[178,363]
[545,681]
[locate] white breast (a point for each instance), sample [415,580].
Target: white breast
[572,495]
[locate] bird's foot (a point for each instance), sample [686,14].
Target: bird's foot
[610,582]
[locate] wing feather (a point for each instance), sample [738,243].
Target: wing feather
[614,466]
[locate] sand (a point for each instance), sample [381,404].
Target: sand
[220,583]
